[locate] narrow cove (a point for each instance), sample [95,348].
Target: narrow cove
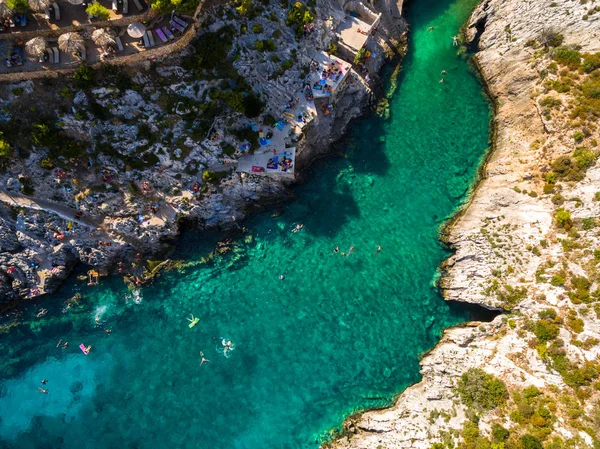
[338,334]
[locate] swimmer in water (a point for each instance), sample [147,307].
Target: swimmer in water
[108,331]
[443,72]
[297,228]
[442,80]
[59,343]
[282,277]
[431,28]
[336,250]
[66,344]
[41,390]
[378,250]
[41,313]
[203,360]
[44,381]
[228,346]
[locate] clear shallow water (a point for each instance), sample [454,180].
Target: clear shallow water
[339,334]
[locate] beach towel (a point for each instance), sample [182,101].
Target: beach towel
[280,125]
[257,169]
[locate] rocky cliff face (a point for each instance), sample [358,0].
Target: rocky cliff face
[154,148]
[527,243]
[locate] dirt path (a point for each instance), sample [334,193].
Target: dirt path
[16,199]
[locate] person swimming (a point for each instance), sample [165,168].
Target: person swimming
[227,346]
[41,390]
[203,360]
[44,381]
[42,312]
[297,228]
[336,250]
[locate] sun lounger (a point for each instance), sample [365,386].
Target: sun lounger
[83,54]
[181,22]
[161,35]
[114,5]
[177,26]
[168,33]
[138,4]
[47,15]
[23,20]
[119,43]
[151,38]
[56,11]
[125,6]
[56,55]
[146,41]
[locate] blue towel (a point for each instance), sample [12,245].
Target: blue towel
[280,125]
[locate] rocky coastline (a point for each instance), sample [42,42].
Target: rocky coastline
[526,244]
[113,212]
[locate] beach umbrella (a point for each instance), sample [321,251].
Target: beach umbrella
[39,5]
[104,37]
[70,42]
[136,30]
[36,47]
[5,10]
[75,2]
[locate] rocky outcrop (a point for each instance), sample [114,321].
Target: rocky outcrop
[510,250]
[151,153]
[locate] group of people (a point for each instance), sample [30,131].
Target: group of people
[351,251]
[7,23]
[16,58]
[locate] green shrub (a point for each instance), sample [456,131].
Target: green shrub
[97,11]
[257,28]
[47,163]
[168,6]
[84,77]
[480,390]
[563,219]
[590,62]
[210,51]
[245,8]
[5,149]
[578,136]
[546,330]
[550,102]
[588,223]
[568,57]
[557,280]
[18,6]
[530,442]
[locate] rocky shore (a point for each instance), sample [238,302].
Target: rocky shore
[123,156]
[527,244]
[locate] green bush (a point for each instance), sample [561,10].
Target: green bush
[550,102]
[97,11]
[563,219]
[578,136]
[499,433]
[84,77]
[530,442]
[245,8]
[546,330]
[19,6]
[568,57]
[167,6]
[591,61]
[5,149]
[480,390]
[210,50]
[257,28]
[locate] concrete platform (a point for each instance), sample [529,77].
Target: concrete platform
[353,32]
[324,85]
[266,162]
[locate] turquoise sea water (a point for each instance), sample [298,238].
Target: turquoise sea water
[337,335]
